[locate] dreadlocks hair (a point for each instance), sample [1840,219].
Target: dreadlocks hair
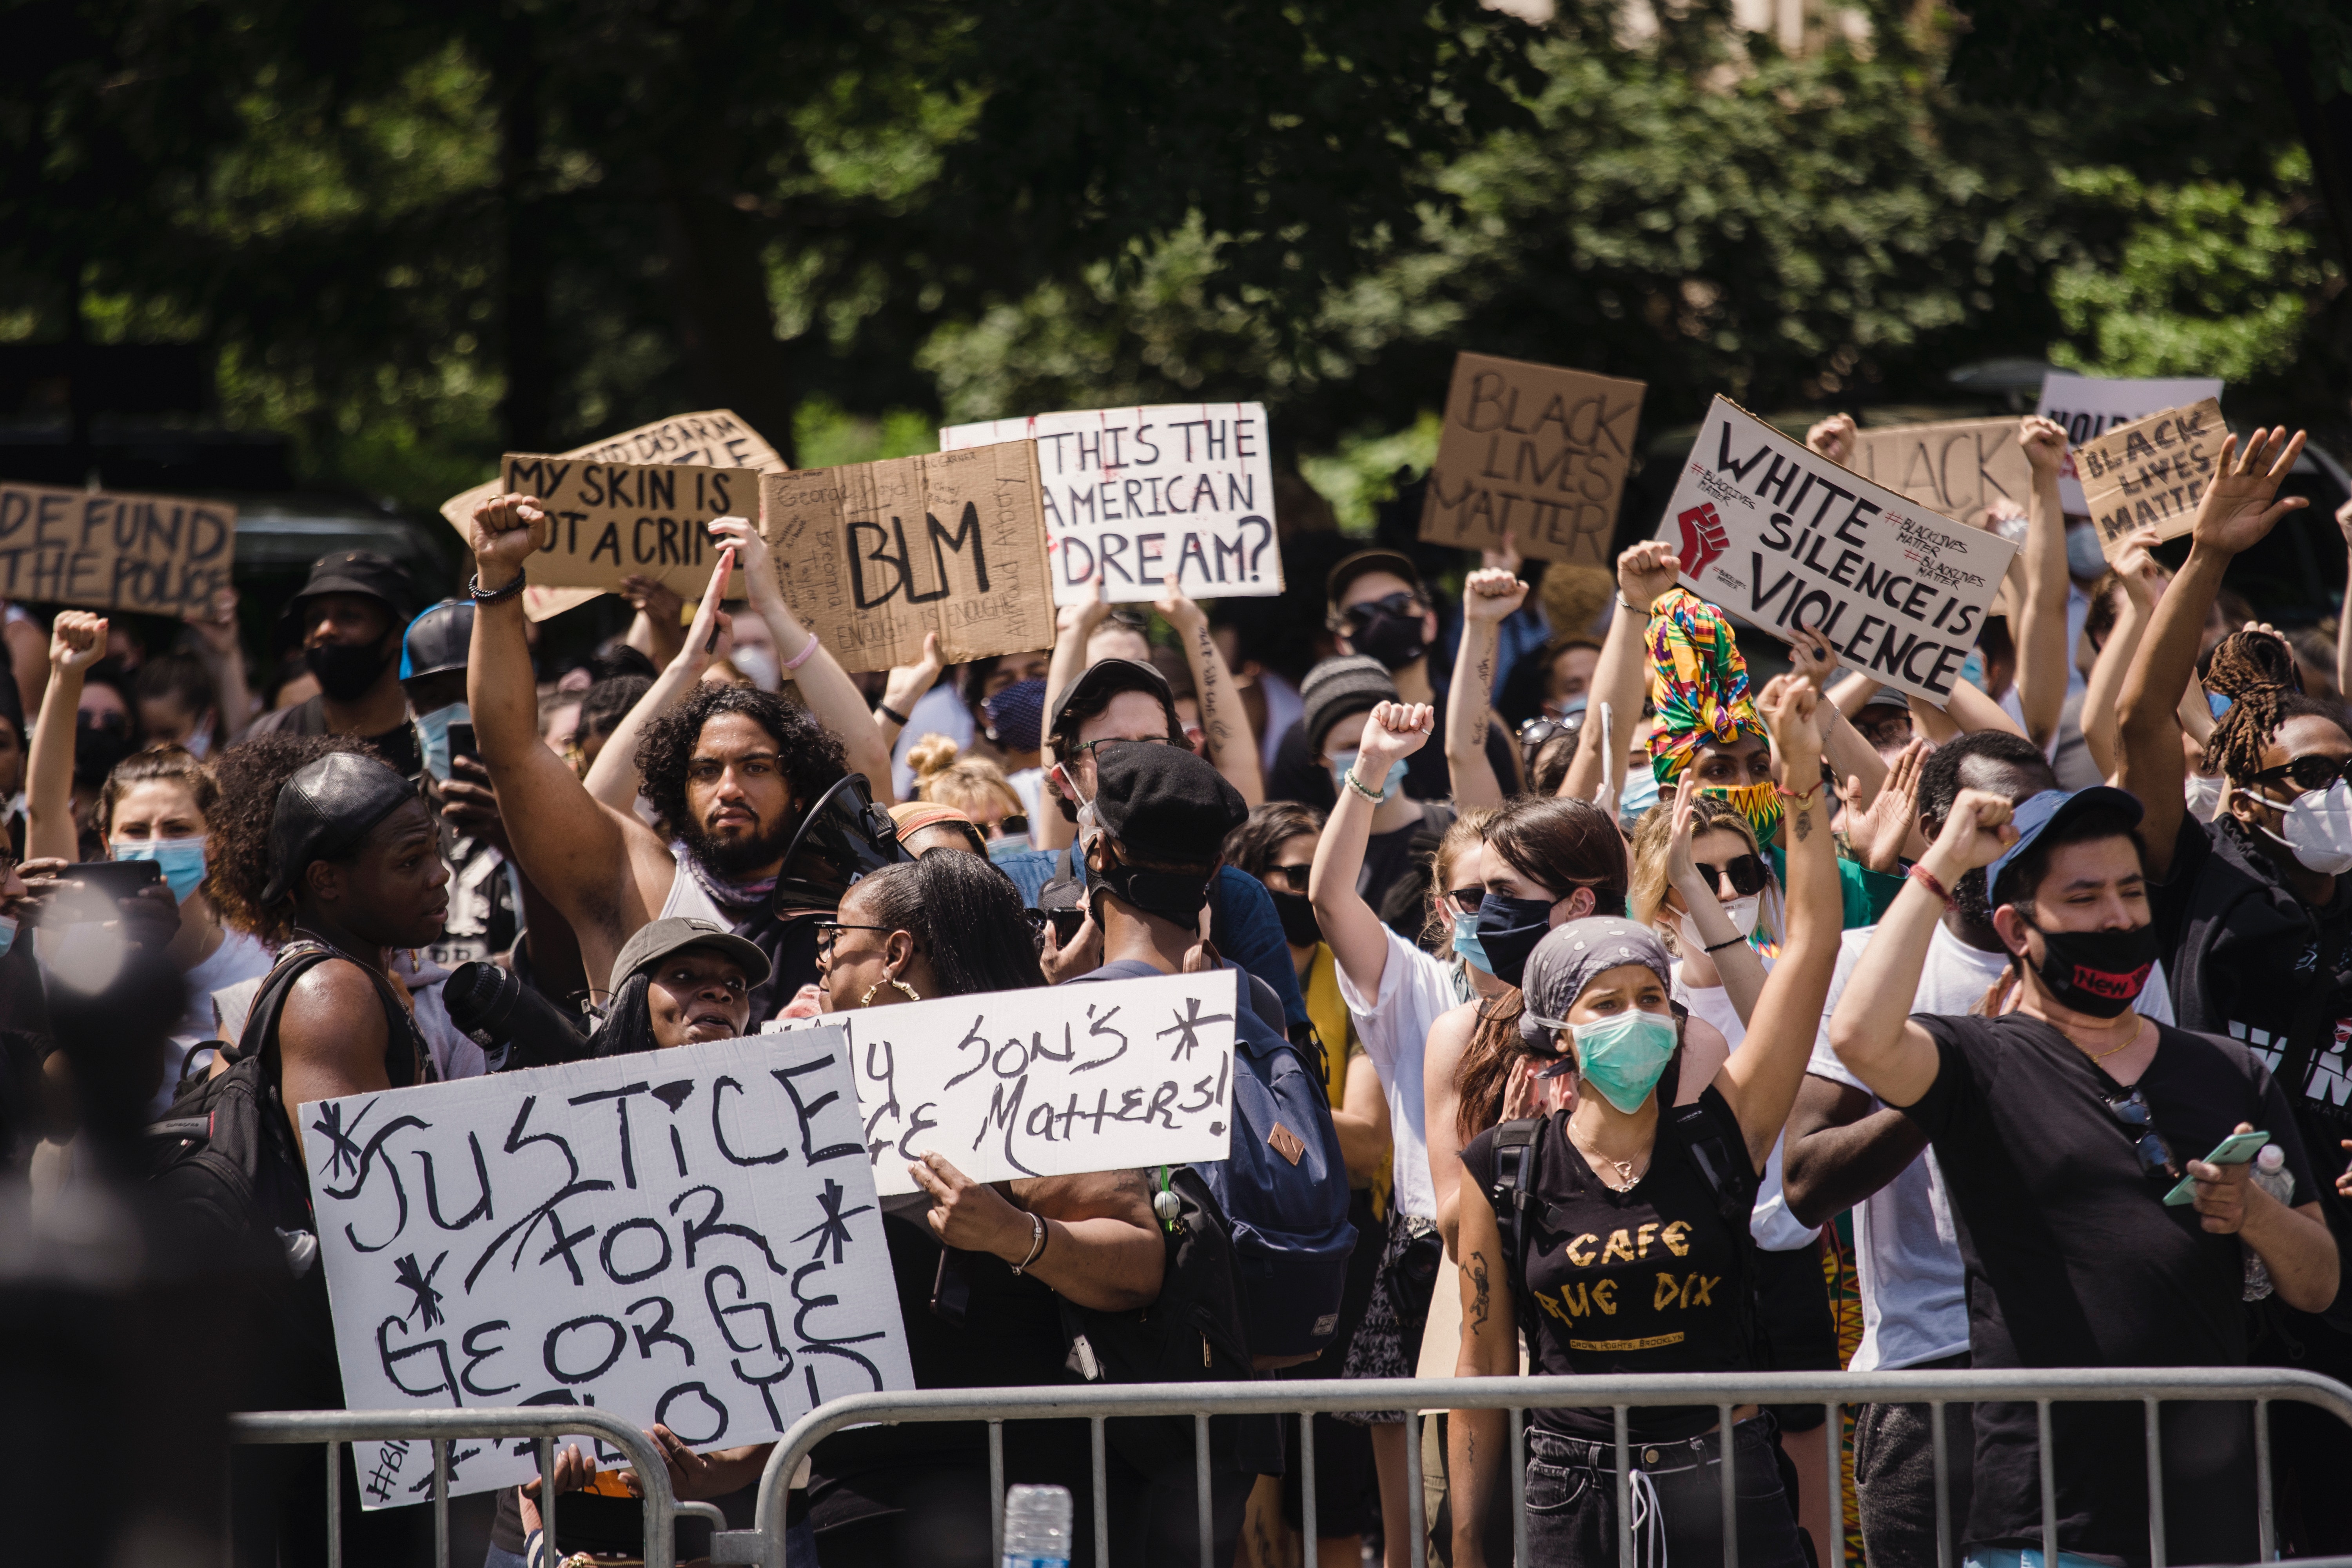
[2256,672]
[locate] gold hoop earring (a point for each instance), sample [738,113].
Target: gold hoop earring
[911,994]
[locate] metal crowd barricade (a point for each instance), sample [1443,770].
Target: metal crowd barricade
[543,1423]
[2150,1387]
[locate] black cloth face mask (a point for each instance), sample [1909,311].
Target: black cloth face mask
[346,670]
[1299,926]
[2097,973]
[1395,640]
[1508,929]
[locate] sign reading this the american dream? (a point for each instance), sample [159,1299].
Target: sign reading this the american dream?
[1781,537]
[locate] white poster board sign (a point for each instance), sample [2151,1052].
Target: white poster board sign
[1133,490]
[1107,1076]
[2087,406]
[1780,536]
[688,1236]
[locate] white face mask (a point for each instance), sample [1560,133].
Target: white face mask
[759,666]
[1742,912]
[2318,828]
[2203,794]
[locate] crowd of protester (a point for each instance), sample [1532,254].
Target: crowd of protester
[1691,1040]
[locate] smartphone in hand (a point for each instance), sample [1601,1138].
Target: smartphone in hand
[2235,1149]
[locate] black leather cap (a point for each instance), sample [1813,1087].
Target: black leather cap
[325,810]
[1166,805]
[438,640]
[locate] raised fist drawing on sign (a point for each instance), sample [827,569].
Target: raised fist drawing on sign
[1702,537]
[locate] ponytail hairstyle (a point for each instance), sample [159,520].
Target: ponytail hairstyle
[2256,672]
[174,764]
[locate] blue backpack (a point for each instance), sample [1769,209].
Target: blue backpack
[1281,1195]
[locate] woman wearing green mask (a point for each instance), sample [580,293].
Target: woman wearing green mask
[1642,1261]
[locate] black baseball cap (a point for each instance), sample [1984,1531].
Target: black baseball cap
[325,810]
[367,571]
[1166,805]
[656,940]
[1395,563]
[1106,679]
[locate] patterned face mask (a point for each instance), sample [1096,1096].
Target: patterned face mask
[1759,804]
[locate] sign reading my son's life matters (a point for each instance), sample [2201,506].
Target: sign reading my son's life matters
[1054,1082]
[1129,493]
[686,1236]
[1781,537]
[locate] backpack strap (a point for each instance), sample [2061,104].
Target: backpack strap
[1735,1193]
[1514,1188]
[297,958]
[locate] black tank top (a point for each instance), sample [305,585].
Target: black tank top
[1650,1280]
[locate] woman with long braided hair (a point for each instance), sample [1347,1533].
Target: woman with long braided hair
[2255,909]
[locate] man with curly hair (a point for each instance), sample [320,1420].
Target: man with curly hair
[731,772]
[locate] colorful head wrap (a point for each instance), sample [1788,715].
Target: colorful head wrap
[1698,683]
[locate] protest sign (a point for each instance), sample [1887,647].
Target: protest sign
[613,521]
[109,549]
[1781,537]
[2088,406]
[1534,451]
[2150,473]
[1049,1082]
[712,440]
[1958,468]
[686,1236]
[1131,491]
[873,556]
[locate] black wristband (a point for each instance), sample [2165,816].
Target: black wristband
[892,714]
[474,589]
[1729,942]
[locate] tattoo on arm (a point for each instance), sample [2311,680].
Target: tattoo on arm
[1478,1303]
[1801,819]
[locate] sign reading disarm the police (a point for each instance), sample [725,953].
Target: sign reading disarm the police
[1129,493]
[1057,1080]
[1781,537]
[686,1236]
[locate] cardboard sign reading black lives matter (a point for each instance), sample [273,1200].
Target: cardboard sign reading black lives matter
[2087,406]
[873,556]
[688,1237]
[1958,468]
[622,519]
[1129,493]
[1534,451]
[1781,537]
[2151,473]
[105,550]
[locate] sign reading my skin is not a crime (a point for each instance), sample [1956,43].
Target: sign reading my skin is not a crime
[1534,451]
[108,549]
[1780,537]
[611,520]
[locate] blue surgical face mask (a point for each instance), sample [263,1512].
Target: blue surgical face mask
[433,736]
[1973,670]
[7,933]
[1344,762]
[1623,1057]
[1002,849]
[1466,943]
[1640,794]
[182,859]
[2084,557]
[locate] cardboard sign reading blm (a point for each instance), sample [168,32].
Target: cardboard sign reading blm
[1958,468]
[686,1236]
[1049,1082]
[2151,473]
[1132,492]
[712,440]
[1781,537]
[1534,451]
[622,519]
[109,549]
[2086,407]
[873,556]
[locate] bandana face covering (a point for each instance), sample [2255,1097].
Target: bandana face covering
[1759,804]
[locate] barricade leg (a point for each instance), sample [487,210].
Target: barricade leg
[1307,1484]
[440,1502]
[547,1494]
[2049,1486]
[2154,1485]
[996,1489]
[1625,1491]
[334,1505]
[1201,1500]
[2266,1538]
[1519,1488]
[1833,1428]
[1414,1521]
[1102,1498]
[1941,1449]
[1730,1487]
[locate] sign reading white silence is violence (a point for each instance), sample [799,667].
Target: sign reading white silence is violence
[1047,1082]
[1781,537]
[686,1236]
[1129,493]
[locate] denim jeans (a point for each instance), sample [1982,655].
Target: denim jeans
[1677,1498]
[800,1551]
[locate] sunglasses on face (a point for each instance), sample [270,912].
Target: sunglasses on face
[1012,827]
[2307,774]
[1094,749]
[1748,874]
[2155,1154]
[1360,615]
[1466,900]
[1293,878]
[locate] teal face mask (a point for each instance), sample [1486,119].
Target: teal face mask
[1344,762]
[1466,943]
[1623,1057]
[1005,848]
[1641,793]
[182,859]
[433,736]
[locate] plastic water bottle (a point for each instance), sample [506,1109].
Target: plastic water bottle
[2272,1174]
[1037,1527]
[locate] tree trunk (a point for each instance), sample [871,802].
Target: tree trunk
[719,284]
[526,411]
[2325,126]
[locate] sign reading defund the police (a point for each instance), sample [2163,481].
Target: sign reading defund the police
[1781,537]
[1112,1075]
[1130,492]
[611,520]
[105,550]
[686,1236]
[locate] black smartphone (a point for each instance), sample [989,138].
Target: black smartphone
[1066,924]
[461,741]
[114,878]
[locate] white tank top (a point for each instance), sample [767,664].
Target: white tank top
[687,898]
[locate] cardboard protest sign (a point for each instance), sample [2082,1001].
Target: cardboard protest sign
[873,556]
[2088,406]
[1535,451]
[715,439]
[618,520]
[1131,491]
[1781,537]
[2151,473]
[109,549]
[1049,1082]
[1958,468]
[686,1236]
